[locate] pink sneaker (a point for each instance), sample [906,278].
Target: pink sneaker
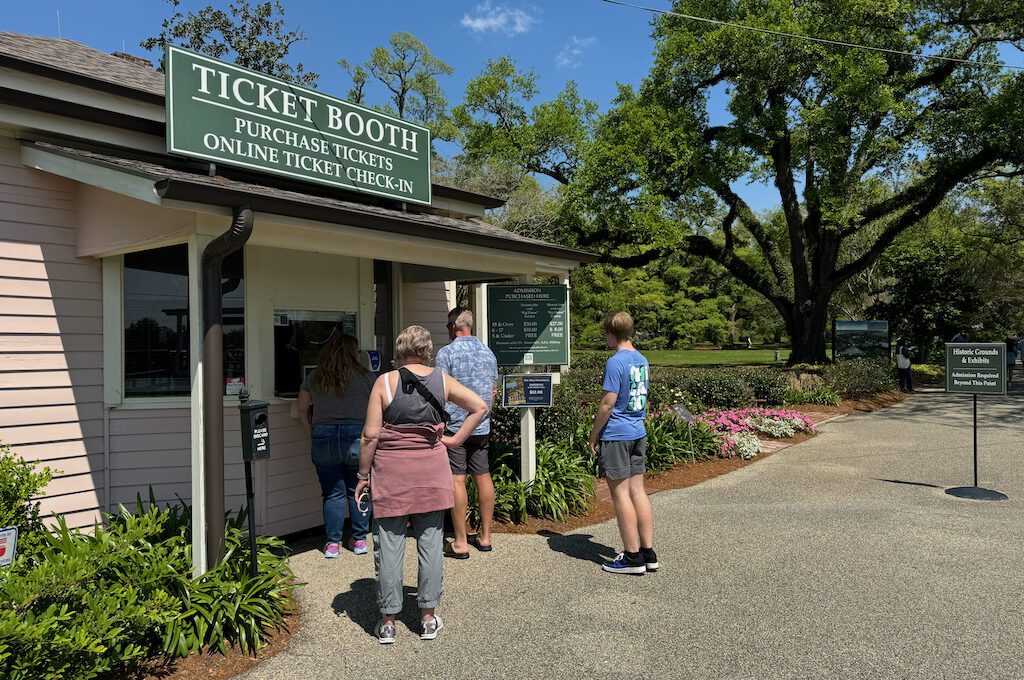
[332,550]
[358,547]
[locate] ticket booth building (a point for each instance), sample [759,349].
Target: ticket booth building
[101,238]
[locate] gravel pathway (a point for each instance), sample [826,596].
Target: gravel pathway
[839,557]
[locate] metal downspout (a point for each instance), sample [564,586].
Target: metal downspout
[213,376]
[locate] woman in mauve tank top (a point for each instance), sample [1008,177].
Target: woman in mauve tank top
[404,459]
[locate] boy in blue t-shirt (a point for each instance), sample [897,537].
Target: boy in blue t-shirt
[619,440]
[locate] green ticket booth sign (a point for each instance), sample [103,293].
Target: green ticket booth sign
[976,367]
[227,114]
[527,325]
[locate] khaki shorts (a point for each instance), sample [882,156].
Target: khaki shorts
[621,459]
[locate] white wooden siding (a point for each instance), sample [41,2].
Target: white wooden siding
[51,338]
[426,304]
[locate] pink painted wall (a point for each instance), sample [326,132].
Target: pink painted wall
[51,337]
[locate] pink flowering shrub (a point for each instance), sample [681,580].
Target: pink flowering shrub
[739,428]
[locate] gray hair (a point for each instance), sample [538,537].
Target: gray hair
[461,318]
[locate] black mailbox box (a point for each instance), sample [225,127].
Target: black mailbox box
[255,430]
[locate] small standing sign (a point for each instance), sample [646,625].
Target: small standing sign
[976,368]
[8,545]
[527,391]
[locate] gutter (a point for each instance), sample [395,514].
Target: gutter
[213,376]
[403,223]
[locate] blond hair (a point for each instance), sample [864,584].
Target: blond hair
[461,318]
[619,325]
[414,343]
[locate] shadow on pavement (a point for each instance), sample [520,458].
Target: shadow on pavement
[580,546]
[903,481]
[359,604]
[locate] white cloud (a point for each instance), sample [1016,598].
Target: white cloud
[490,18]
[571,55]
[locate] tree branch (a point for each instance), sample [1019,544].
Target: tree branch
[917,201]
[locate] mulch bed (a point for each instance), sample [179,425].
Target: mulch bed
[213,665]
[690,474]
[852,406]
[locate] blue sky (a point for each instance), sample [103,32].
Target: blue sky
[596,44]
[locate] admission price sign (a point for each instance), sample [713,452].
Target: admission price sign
[527,391]
[976,368]
[228,114]
[526,324]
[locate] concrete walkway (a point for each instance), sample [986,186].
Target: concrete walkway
[839,557]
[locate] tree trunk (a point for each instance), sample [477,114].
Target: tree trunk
[806,329]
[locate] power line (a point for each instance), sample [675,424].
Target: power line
[808,38]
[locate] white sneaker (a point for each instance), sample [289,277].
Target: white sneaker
[432,628]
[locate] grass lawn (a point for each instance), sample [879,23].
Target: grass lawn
[710,357]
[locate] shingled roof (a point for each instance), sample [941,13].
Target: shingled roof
[59,58]
[175,183]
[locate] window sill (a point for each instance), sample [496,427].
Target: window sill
[154,403]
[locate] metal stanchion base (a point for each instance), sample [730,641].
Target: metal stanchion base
[976,493]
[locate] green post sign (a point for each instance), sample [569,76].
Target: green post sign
[227,114]
[976,367]
[527,324]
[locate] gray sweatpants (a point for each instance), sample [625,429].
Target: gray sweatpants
[389,535]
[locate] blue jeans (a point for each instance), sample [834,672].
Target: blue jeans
[335,450]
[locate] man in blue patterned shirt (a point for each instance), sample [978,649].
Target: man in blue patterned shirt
[469,361]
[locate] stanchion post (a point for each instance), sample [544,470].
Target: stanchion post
[975,440]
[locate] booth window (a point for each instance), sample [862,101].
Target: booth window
[299,335]
[156,323]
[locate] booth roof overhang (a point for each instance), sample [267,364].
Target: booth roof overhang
[156,180]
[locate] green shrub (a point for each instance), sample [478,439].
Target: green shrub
[718,388]
[852,378]
[669,442]
[93,602]
[767,384]
[20,483]
[509,492]
[564,484]
[929,374]
[818,395]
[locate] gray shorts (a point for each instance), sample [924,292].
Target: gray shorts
[621,459]
[472,457]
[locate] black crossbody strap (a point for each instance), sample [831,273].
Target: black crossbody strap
[408,377]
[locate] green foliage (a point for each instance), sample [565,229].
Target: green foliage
[929,374]
[501,122]
[713,387]
[20,483]
[407,71]
[564,484]
[252,36]
[876,139]
[768,384]
[509,492]
[669,442]
[677,302]
[93,602]
[816,395]
[860,377]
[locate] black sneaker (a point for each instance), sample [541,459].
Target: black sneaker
[650,559]
[623,564]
